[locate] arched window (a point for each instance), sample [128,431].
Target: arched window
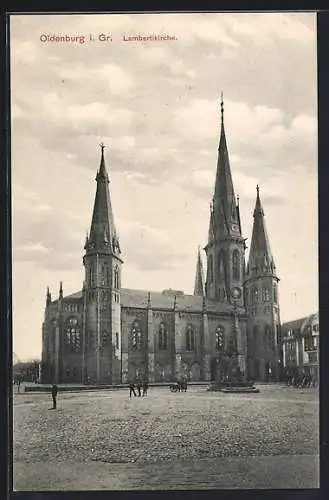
[211,269]
[117,341]
[275,293]
[72,334]
[236,265]
[190,338]
[136,336]
[163,336]
[220,338]
[266,294]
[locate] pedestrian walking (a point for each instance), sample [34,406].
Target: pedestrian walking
[145,387]
[54,390]
[132,390]
[139,387]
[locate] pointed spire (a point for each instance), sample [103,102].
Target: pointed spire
[103,235]
[260,255]
[60,289]
[86,241]
[48,299]
[225,214]
[102,173]
[199,287]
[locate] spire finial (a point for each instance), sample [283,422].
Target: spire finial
[222,106]
[238,199]
[60,289]
[257,188]
[102,146]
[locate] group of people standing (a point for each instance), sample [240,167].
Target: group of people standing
[140,387]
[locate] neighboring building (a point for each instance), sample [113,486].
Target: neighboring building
[300,345]
[109,334]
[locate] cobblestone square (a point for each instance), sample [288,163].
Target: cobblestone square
[193,440]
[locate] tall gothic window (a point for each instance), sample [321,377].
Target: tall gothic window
[163,336]
[220,338]
[211,269]
[268,336]
[236,265]
[117,341]
[221,263]
[116,277]
[136,336]
[72,335]
[275,293]
[246,296]
[190,338]
[91,276]
[266,294]
[102,283]
[255,295]
[104,274]
[105,339]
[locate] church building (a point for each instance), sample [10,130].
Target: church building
[106,334]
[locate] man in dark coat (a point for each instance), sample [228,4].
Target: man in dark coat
[54,391]
[145,387]
[139,387]
[132,389]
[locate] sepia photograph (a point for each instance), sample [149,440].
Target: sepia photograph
[164,179]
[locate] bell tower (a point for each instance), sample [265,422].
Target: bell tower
[226,247]
[102,261]
[262,304]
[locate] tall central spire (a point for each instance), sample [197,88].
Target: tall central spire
[225,213]
[103,235]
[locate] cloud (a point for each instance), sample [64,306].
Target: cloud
[116,79]
[266,28]
[152,248]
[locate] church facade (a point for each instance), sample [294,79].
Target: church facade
[107,334]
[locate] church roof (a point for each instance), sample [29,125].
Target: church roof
[138,299]
[164,300]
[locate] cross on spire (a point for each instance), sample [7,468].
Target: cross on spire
[222,106]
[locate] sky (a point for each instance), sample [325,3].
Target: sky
[155,105]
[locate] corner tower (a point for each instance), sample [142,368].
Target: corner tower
[102,310]
[226,246]
[261,298]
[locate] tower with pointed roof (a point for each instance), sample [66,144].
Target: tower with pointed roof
[226,246]
[102,262]
[261,298]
